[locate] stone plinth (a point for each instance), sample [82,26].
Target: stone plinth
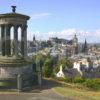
[11,67]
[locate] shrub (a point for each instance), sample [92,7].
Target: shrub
[65,79]
[93,84]
[69,79]
[79,79]
[61,79]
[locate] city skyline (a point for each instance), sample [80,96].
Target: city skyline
[59,18]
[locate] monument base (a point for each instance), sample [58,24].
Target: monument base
[11,68]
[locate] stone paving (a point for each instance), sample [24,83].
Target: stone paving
[46,93]
[38,95]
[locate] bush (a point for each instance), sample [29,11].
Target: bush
[61,79]
[69,79]
[65,79]
[79,79]
[92,84]
[56,69]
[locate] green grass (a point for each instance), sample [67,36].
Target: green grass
[77,94]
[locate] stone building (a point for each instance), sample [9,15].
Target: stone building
[71,73]
[15,66]
[70,45]
[87,68]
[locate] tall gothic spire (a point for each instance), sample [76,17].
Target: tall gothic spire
[85,47]
[34,38]
[85,44]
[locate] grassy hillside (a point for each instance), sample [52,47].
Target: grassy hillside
[71,90]
[77,94]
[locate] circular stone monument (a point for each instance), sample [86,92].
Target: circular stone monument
[14,61]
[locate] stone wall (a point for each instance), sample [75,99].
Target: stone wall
[6,72]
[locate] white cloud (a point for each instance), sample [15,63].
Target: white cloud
[69,33]
[40,15]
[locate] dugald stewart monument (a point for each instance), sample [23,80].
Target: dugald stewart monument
[15,67]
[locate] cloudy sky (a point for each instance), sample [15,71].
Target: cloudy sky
[59,18]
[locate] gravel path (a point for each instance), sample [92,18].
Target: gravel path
[43,95]
[46,93]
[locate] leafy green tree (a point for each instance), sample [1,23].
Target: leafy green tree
[38,61]
[47,68]
[50,65]
[66,63]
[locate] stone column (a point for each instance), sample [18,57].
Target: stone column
[15,41]
[3,40]
[8,41]
[24,41]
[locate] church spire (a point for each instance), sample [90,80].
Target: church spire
[85,47]
[85,43]
[34,38]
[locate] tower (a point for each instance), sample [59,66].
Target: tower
[12,66]
[34,39]
[75,44]
[85,48]
[75,40]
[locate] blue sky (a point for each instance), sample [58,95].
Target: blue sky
[62,18]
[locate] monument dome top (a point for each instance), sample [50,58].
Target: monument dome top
[13,14]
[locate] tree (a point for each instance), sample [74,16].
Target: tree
[47,68]
[66,63]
